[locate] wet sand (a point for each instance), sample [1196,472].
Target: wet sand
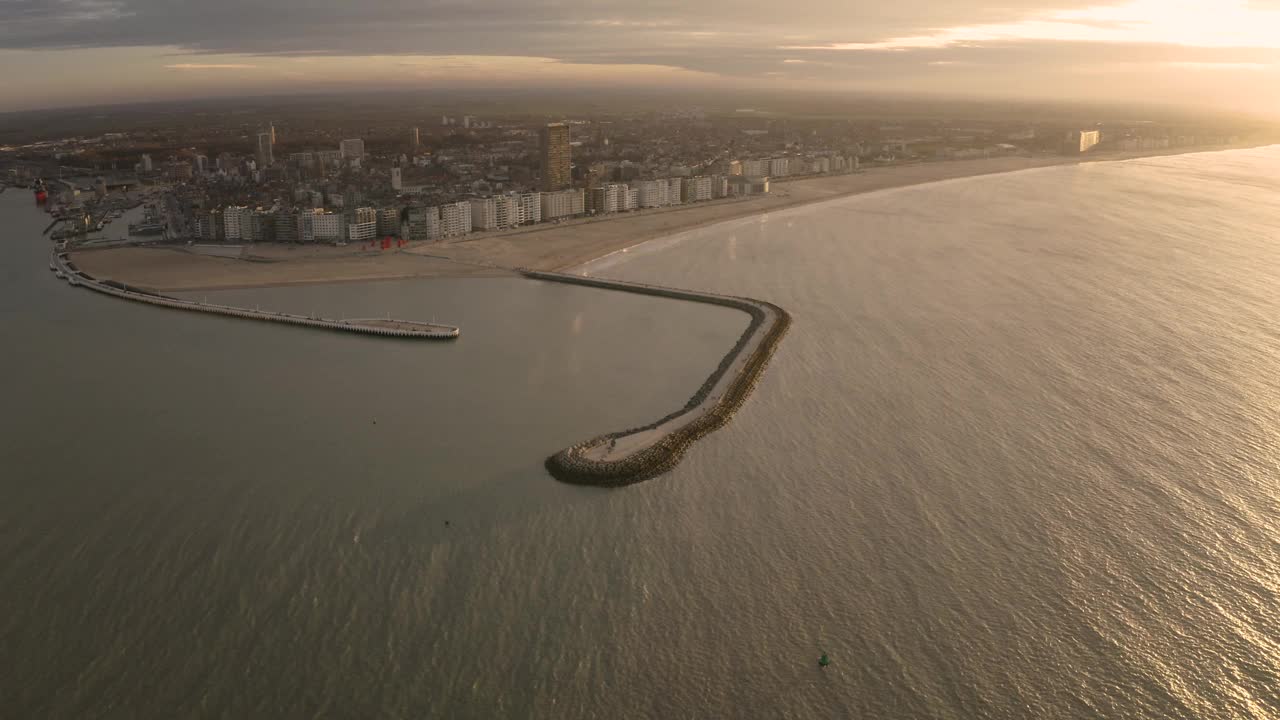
[542,247]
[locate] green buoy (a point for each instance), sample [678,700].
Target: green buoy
[824,660]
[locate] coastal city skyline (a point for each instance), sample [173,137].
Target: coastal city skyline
[437,359]
[1180,52]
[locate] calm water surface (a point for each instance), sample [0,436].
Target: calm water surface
[1017,458]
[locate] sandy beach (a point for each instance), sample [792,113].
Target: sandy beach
[540,247]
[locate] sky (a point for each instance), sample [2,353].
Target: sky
[1222,54]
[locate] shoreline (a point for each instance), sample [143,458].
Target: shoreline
[549,247]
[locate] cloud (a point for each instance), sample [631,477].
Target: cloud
[210,66]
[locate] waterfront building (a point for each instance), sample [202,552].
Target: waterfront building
[362,231]
[484,213]
[753,168]
[352,149]
[286,226]
[719,186]
[530,208]
[234,218]
[652,193]
[1081,141]
[455,219]
[695,189]
[320,226]
[422,223]
[779,167]
[675,187]
[555,157]
[565,203]
[507,209]
[629,200]
[389,221]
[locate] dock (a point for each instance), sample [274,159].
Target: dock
[385,327]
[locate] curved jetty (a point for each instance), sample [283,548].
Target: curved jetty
[384,327]
[630,456]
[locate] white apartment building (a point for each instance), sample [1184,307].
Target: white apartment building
[397,179]
[352,149]
[328,226]
[507,208]
[423,223]
[530,208]
[630,199]
[779,167]
[651,193]
[389,221]
[455,219]
[365,215]
[674,186]
[696,189]
[564,203]
[234,219]
[484,213]
[754,168]
[719,186]
[614,197]
[358,231]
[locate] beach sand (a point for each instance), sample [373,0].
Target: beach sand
[542,247]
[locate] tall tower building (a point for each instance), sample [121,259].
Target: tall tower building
[273,133]
[415,141]
[555,157]
[265,156]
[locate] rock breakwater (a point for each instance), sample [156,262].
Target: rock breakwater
[631,456]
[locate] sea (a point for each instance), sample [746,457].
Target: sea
[1019,457]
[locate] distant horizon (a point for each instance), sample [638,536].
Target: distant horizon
[719,100]
[1192,53]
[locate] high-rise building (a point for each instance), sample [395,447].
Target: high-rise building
[1081,141]
[484,213]
[272,130]
[389,221]
[530,205]
[555,157]
[352,149]
[415,141]
[201,164]
[146,163]
[422,223]
[455,219]
[651,193]
[565,203]
[286,227]
[265,155]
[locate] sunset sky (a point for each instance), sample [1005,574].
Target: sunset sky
[1223,53]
